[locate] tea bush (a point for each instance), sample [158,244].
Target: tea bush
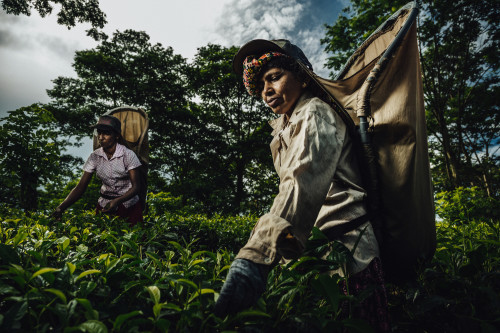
[92,273]
[464,205]
[95,274]
[458,291]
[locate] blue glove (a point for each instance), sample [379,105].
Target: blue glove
[245,282]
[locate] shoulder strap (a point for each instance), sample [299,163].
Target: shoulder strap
[335,232]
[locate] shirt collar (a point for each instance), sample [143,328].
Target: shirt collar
[120,150]
[278,123]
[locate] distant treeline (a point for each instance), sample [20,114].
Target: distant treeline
[209,139]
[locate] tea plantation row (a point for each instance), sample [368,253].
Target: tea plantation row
[91,273]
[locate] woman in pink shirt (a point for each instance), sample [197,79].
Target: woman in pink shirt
[116,166]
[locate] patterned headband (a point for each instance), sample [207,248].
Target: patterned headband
[252,67]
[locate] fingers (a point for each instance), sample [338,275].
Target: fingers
[57,214]
[110,207]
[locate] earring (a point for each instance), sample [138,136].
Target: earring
[304,85]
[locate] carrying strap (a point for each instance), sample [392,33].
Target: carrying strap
[335,232]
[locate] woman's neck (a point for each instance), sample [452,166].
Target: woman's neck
[110,150]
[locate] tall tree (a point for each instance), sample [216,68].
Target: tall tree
[237,167]
[30,155]
[71,11]
[459,43]
[130,70]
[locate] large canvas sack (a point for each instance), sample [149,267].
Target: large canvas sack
[135,125]
[387,88]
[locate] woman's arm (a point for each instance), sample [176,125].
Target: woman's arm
[75,194]
[134,179]
[314,142]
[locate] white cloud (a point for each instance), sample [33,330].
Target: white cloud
[35,50]
[300,21]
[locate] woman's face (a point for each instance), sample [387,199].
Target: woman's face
[280,90]
[106,138]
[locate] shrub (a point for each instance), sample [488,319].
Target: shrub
[94,273]
[463,205]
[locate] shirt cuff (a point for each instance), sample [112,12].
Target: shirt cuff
[261,248]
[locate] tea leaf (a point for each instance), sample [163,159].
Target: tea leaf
[154,293]
[104,256]
[327,286]
[186,282]
[87,272]
[123,318]
[252,313]
[196,262]
[19,238]
[157,309]
[172,306]
[71,267]
[94,326]
[58,293]
[65,244]
[91,313]
[43,271]
[163,325]
[201,292]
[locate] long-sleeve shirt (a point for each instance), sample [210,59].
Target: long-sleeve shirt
[320,185]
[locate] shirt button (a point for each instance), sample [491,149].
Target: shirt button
[267,260]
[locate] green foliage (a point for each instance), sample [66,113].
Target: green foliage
[233,171]
[95,273]
[70,12]
[162,203]
[458,291]
[465,205]
[459,43]
[30,155]
[213,151]
[357,21]
[88,201]
[211,232]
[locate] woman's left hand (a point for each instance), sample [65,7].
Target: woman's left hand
[111,206]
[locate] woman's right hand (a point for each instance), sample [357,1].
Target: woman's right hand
[111,206]
[57,214]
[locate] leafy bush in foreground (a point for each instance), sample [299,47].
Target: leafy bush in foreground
[465,205]
[91,273]
[459,290]
[95,274]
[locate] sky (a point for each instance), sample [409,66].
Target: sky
[34,50]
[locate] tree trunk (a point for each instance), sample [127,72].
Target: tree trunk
[28,194]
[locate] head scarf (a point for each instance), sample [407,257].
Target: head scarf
[252,67]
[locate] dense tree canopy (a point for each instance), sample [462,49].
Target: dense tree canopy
[71,12]
[208,137]
[459,42]
[129,70]
[235,154]
[30,156]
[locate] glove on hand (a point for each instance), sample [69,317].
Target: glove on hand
[245,282]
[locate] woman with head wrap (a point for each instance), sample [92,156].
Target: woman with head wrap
[320,183]
[116,166]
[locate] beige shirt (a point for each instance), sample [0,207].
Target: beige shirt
[319,186]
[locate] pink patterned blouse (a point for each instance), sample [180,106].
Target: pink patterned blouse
[113,172]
